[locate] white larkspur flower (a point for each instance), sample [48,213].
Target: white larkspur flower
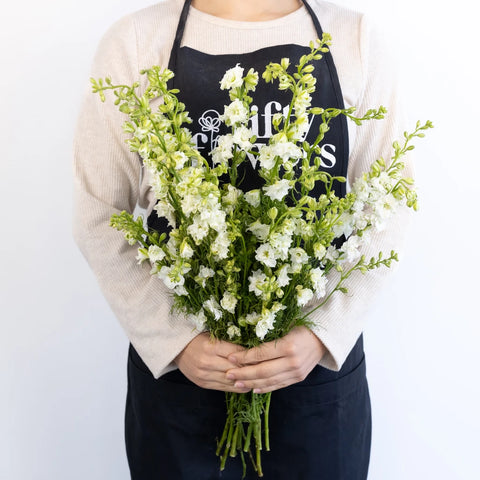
[319,250]
[170,278]
[319,282]
[204,273]
[172,245]
[304,295]
[224,149]
[233,78]
[142,255]
[198,319]
[260,230]
[180,159]
[265,254]
[256,282]
[298,256]
[180,290]
[191,203]
[164,209]
[220,246]
[231,198]
[282,275]
[278,190]
[229,302]
[344,226]
[331,254]
[235,113]
[252,197]
[267,157]
[351,248]
[233,331]
[287,150]
[267,320]
[186,251]
[214,218]
[281,244]
[261,328]
[155,253]
[242,136]
[198,230]
[251,318]
[212,306]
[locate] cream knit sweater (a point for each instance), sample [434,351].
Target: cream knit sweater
[108,177]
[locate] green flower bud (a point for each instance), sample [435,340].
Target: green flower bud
[272,213]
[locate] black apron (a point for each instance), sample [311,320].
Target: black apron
[320,428]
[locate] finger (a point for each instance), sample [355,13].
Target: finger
[266,351]
[281,380]
[261,371]
[225,349]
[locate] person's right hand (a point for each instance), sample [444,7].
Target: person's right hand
[204,361]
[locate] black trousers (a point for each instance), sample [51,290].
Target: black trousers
[320,429]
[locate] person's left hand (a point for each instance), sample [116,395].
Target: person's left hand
[277,364]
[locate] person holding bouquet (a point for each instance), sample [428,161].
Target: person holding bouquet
[320,422]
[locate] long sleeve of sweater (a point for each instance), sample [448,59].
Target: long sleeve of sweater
[108,177]
[107,180]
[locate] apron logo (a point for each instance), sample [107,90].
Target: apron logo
[210,124]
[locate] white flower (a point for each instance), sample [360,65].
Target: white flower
[260,230]
[212,306]
[331,254]
[344,225]
[261,329]
[180,290]
[298,256]
[257,281]
[220,246]
[191,203]
[214,217]
[231,198]
[287,150]
[180,159]
[267,320]
[319,250]
[351,248]
[229,302]
[204,273]
[198,230]
[253,197]
[186,251]
[282,276]
[155,253]
[304,295]
[199,320]
[252,318]
[170,277]
[267,157]
[233,331]
[223,151]
[319,282]
[235,113]
[281,244]
[242,136]
[302,102]
[142,255]
[265,253]
[164,209]
[278,190]
[233,78]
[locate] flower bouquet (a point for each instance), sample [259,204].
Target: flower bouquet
[249,266]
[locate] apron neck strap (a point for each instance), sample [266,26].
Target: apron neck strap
[179,35]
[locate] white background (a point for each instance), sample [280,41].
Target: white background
[62,354]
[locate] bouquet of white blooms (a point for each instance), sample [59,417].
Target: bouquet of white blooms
[248,266]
